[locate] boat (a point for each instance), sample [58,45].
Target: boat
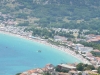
[39,51]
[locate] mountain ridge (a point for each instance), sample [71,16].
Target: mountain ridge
[54,13]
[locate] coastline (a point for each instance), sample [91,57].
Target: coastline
[66,50]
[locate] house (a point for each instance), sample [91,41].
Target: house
[89,54]
[73,72]
[90,57]
[77,46]
[98,61]
[70,43]
[49,66]
[93,38]
[85,49]
[33,72]
[96,51]
[60,38]
[61,73]
[93,62]
[66,67]
[37,71]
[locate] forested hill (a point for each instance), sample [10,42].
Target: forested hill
[82,14]
[69,2]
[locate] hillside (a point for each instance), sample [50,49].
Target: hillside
[82,14]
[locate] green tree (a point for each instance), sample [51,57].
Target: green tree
[26,23]
[18,73]
[98,70]
[80,67]
[89,67]
[46,73]
[79,73]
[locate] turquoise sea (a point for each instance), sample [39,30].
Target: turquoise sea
[18,55]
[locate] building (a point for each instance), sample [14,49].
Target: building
[89,54]
[77,46]
[96,51]
[85,49]
[60,38]
[73,72]
[98,61]
[66,67]
[61,73]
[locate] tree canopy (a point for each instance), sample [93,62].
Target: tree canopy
[72,14]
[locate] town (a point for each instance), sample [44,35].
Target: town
[63,69]
[69,42]
[78,50]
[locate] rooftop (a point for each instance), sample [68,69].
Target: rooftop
[67,66]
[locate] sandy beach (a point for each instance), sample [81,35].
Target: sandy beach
[66,50]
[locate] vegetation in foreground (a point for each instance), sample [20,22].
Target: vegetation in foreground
[79,67]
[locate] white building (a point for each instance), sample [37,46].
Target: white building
[85,49]
[67,67]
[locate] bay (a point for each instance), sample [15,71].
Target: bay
[18,55]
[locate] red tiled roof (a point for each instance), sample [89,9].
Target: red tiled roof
[96,50]
[98,58]
[32,71]
[44,69]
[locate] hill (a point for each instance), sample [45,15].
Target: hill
[80,14]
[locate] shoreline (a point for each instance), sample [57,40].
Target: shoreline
[66,50]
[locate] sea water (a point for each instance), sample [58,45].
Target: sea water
[18,55]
